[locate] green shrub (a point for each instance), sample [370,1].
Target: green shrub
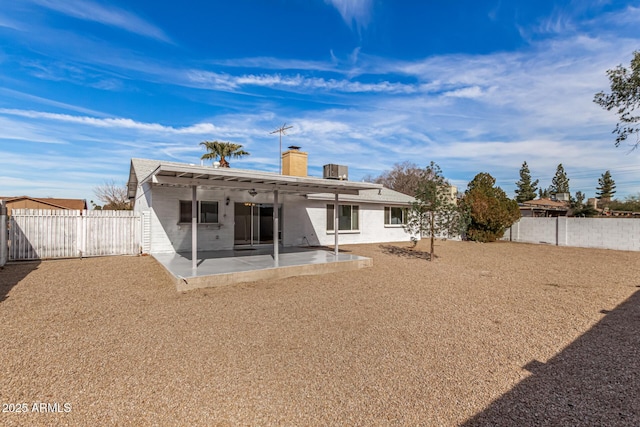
[490,210]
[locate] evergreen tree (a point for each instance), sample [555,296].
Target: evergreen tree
[560,182]
[543,193]
[606,188]
[490,210]
[526,189]
[579,209]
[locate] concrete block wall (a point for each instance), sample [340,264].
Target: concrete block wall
[604,233]
[608,233]
[532,230]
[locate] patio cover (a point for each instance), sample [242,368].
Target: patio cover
[173,174]
[176,174]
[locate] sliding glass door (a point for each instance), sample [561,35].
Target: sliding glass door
[254,223]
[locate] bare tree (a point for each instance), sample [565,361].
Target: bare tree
[113,196]
[405,177]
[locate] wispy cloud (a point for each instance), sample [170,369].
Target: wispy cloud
[296,83]
[60,71]
[9,23]
[111,16]
[10,93]
[271,63]
[354,12]
[559,22]
[119,123]
[28,132]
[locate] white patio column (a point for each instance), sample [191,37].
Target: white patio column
[276,229]
[4,248]
[336,225]
[194,228]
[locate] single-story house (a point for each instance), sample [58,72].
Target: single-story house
[235,208]
[26,202]
[544,208]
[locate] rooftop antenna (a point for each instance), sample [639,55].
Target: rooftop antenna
[282,131]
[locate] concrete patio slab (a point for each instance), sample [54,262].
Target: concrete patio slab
[220,268]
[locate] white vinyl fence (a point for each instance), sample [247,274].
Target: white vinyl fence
[39,233]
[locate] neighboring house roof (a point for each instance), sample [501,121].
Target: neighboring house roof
[383,195]
[73,204]
[545,204]
[159,172]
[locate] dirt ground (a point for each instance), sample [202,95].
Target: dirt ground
[487,334]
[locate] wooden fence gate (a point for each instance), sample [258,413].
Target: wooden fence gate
[39,234]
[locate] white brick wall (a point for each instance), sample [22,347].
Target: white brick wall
[605,233]
[311,217]
[303,221]
[167,235]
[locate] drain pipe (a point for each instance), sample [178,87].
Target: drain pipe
[4,247]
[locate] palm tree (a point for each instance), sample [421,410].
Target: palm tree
[223,150]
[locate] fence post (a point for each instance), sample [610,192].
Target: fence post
[4,232]
[83,234]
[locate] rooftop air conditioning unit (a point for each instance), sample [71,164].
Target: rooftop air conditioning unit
[335,172]
[563,197]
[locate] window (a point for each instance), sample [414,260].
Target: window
[208,212]
[348,218]
[394,215]
[185,211]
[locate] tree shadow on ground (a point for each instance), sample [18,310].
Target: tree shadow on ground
[12,274]
[593,381]
[405,252]
[326,248]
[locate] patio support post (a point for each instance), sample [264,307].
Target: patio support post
[194,228]
[4,248]
[336,225]
[276,229]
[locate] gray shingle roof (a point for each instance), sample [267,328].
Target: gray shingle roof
[141,169]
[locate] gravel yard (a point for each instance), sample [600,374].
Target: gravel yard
[487,334]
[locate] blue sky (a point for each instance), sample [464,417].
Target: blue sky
[476,86]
